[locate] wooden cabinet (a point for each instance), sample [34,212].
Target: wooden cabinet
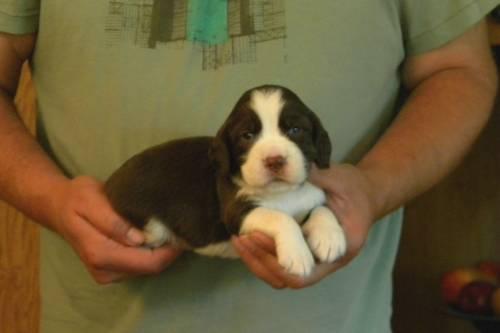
[19,247]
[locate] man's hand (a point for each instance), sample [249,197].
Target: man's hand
[77,209]
[452,89]
[349,197]
[108,246]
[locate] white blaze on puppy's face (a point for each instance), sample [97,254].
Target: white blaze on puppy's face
[273,156]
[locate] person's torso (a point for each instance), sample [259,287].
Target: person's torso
[140,72]
[116,76]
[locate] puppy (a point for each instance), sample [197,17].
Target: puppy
[196,192]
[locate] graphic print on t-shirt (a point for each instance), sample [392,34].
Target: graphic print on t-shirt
[227,31]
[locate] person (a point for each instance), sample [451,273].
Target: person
[114,77]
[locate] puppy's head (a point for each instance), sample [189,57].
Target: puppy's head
[270,137]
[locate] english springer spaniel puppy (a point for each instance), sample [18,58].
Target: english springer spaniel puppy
[196,192]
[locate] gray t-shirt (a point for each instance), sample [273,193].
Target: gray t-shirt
[116,76]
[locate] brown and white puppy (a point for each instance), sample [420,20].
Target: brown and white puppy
[252,176]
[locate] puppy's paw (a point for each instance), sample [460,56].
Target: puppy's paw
[327,245]
[294,255]
[325,235]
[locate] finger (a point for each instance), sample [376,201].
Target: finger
[319,272]
[315,175]
[253,259]
[265,242]
[141,261]
[106,277]
[103,253]
[270,262]
[99,212]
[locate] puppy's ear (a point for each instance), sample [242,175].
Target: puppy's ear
[219,153]
[322,143]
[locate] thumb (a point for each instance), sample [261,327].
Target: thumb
[101,215]
[318,177]
[124,233]
[115,227]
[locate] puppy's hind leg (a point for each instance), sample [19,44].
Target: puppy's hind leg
[156,234]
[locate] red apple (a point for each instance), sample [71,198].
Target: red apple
[491,268]
[475,298]
[453,281]
[495,302]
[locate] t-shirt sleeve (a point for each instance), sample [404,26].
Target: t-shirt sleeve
[429,24]
[19,16]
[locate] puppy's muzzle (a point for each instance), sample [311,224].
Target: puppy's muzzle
[275,163]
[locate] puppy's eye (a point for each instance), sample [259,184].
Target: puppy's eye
[248,136]
[294,131]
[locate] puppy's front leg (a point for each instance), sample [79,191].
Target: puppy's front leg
[293,253]
[325,235]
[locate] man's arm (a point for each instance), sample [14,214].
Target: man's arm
[77,209]
[451,96]
[26,173]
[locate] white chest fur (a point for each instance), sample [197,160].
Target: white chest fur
[297,202]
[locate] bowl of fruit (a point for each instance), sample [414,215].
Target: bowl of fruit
[472,293]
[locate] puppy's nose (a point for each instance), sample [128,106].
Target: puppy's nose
[275,163]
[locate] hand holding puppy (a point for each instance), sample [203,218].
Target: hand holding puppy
[108,245]
[349,197]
